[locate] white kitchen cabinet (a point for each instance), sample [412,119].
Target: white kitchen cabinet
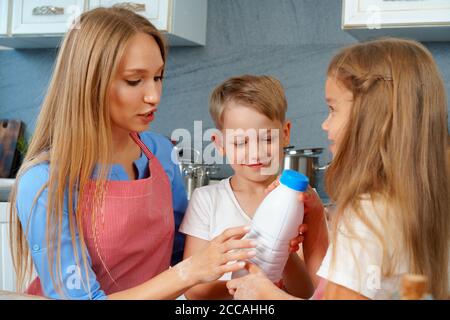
[183,21]
[37,17]
[42,24]
[4,17]
[7,274]
[421,20]
[157,11]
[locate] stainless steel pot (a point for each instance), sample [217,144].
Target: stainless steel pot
[194,173]
[305,161]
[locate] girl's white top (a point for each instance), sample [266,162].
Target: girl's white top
[359,264]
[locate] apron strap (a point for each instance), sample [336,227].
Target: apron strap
[143,147]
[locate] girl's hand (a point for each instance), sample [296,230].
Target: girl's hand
[212,262]
[294,245]
[313,205]
[255,286]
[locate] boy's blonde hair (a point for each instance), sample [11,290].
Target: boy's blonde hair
[393,148]
[264,94]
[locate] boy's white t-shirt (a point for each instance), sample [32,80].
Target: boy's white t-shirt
[358,265]
[211,210]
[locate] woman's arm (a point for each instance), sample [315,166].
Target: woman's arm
[215,290]
[206,265]
[74,281]
[167,285]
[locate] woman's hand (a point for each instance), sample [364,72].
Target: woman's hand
[212,262]
[255,286]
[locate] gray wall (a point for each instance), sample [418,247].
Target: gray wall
[290,39]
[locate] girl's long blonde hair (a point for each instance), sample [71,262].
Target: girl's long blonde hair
[393,148]
[73,131]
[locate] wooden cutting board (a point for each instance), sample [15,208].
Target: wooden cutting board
[10,132]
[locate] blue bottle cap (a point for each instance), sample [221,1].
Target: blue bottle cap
[294,180]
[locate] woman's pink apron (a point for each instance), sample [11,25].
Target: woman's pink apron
[131,239]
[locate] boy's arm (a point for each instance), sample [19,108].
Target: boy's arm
[296,278]
[215,290]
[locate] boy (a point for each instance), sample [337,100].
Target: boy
[249,111]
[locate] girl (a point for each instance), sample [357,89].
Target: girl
[94,194]
[389,177]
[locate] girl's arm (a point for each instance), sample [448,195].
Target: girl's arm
[315,235]
[315,244]
[296,279]
[215,290]
[335,291]
[256,286]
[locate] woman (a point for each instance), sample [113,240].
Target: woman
[94,194]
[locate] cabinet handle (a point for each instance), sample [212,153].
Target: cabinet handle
[133,6]
[48,11]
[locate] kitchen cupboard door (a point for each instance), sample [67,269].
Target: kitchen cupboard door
[157,11]
[420,20]
[182,21]
[37,17]
[4,17]
[7,274]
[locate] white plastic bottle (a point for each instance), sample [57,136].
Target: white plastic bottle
[275,224]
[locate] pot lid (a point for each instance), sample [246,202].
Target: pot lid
[303,152]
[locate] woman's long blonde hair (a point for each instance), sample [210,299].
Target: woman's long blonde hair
[73,131]
[393,148]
